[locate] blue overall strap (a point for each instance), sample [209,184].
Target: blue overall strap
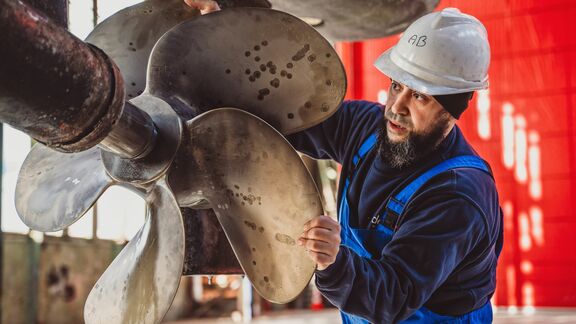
[398,202]
[364,148]
[347,235]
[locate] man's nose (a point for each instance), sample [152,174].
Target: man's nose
[400,105]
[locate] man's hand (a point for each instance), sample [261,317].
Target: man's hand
[205,6]
[321,238]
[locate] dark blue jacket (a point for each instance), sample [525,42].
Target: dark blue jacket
[443,255]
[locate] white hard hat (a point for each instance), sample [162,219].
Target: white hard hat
[441,53]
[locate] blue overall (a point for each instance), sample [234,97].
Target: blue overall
[382,230]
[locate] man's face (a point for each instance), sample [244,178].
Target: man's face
[413,126]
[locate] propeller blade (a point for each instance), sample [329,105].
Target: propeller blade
[263,61]
[55,189]
[340,20]
[129,35]
[140,284]
[260,190]
[225,4]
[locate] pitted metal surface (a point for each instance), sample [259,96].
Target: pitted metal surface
[140,284]
[225,4]
[127,37]
[55,189]
[266,62]
[131,47]
[234,160]
[154,164]
[340,20]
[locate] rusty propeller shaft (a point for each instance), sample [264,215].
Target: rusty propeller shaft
[63,92]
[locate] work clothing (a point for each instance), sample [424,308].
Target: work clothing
[438,261]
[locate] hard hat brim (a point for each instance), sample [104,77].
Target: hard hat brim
[386,65]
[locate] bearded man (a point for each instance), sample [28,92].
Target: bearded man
[419,227]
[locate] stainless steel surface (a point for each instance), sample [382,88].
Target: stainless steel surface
[154,164]
[260,190]
[140,284]
[129,35]
[340,20]
[55,189]
[262,61]
[225,4]
[130,48]
[133,136]
[229,160]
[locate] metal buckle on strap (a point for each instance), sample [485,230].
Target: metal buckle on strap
[390,220]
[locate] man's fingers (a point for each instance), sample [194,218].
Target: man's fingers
[321,239]
[319,246]
[322,234]
[322,221]
[205,6]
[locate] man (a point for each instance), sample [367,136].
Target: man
[420,227]
[418,236]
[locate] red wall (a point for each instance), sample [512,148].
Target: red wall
[525,126]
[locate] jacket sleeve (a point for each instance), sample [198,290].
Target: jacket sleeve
[338,135]
[424,251]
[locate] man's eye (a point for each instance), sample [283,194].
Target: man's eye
[418,96]
[395,86]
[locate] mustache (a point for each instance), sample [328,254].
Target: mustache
[397,119]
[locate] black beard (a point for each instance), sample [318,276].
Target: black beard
[401,155]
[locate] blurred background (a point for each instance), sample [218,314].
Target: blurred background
[524,125]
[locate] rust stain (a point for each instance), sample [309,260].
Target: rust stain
[250,224]
[285,239]
[301,53]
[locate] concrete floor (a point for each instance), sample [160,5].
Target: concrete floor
[295,317]
[538,316]
[504,316]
